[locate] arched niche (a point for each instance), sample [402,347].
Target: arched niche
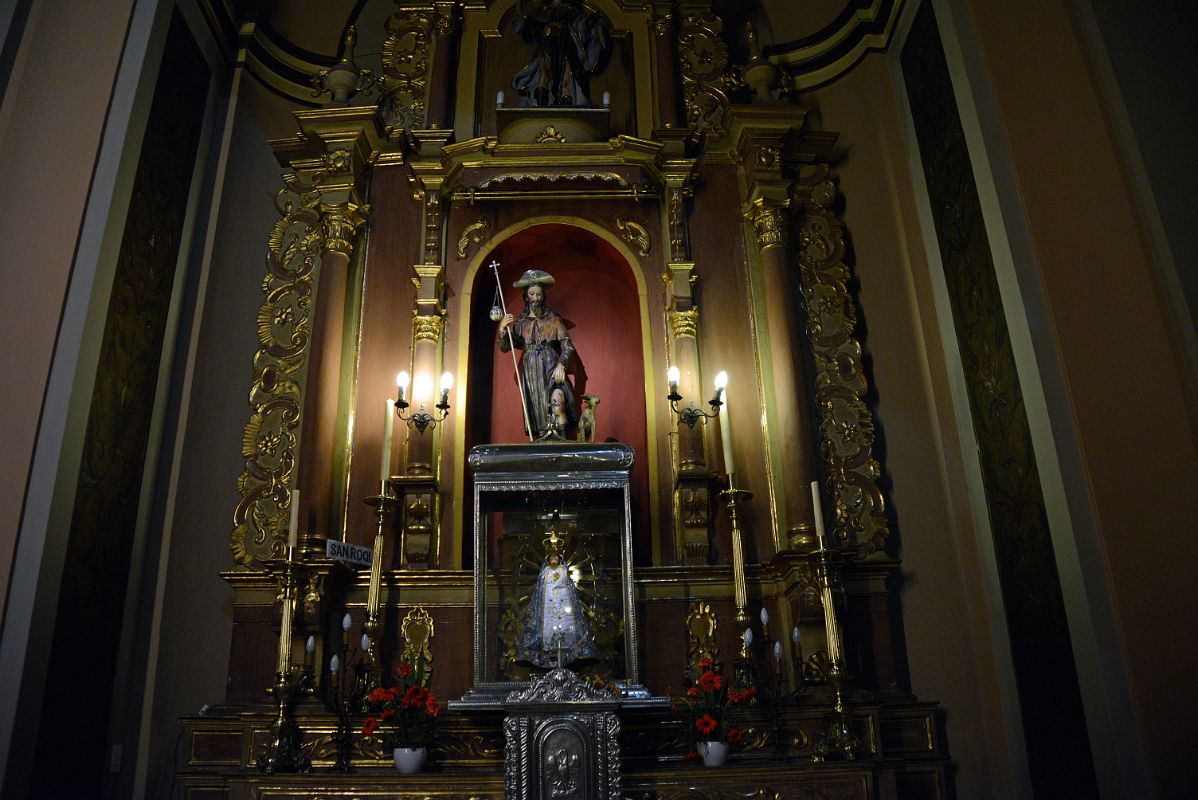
[598,296]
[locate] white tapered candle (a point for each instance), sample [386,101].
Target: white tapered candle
[817,508]
[388,433]
[293,523]
[721,386]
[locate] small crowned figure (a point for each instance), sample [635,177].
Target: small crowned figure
[555,632]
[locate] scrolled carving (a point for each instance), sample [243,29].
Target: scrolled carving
[403,85]
[270,439]
[706,77]
[684,323]
[635,234]
[559,686]
[473,235]
[846,424]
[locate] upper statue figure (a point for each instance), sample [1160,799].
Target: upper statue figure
[541,334]
[567,42]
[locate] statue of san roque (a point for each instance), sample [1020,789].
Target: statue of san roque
[542,336]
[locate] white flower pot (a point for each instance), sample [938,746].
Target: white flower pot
[714,754]
[410,760]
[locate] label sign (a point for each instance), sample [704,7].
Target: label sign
[350,553]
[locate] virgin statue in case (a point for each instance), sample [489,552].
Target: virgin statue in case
[555,631]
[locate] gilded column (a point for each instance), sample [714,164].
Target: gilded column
[319,506]
[792,436]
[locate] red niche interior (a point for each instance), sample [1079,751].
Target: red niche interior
[595,294]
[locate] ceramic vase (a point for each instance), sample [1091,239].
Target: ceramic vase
[714,754]
[410,760]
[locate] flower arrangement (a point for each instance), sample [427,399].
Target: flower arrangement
[403,715]
[707,704]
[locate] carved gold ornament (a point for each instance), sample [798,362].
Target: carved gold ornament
[684,323]
[706,78]
[427,327]
[403,85]
[700,633]
[846,428]
[418,630]
[474,234]
[550,134]
[270,439]
[768,223]
[635,234]
[340,224]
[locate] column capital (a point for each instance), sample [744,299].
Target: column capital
[769,222]
[340,224]
[427,327]
[684,323]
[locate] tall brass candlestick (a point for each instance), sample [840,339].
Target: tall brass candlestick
[283,753]
[384,504]
[740,593]
[839,739]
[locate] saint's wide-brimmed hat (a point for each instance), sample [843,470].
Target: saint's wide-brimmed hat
[534,277]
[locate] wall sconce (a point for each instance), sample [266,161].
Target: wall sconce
[692,413]
[422,420]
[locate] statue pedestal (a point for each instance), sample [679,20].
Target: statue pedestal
[560,124]
[561,740]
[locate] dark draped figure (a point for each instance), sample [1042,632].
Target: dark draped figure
[567,43]
[542,335]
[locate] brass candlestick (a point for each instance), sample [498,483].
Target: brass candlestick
[742,666]
[384,503]
[734,497]
[839,740]
[283,753]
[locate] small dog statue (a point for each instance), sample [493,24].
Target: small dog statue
[586,422]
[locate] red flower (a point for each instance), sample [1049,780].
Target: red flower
[370,726]
[691,756]
[693,692]
[388,713]
[736,735]
[416,694]
[705,663]
[431,707]
[710,682]
[403,670]
[379,695]
[706,724]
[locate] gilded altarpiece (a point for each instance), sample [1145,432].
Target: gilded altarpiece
[687,218]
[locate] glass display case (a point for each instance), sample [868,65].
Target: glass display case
[552,565]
